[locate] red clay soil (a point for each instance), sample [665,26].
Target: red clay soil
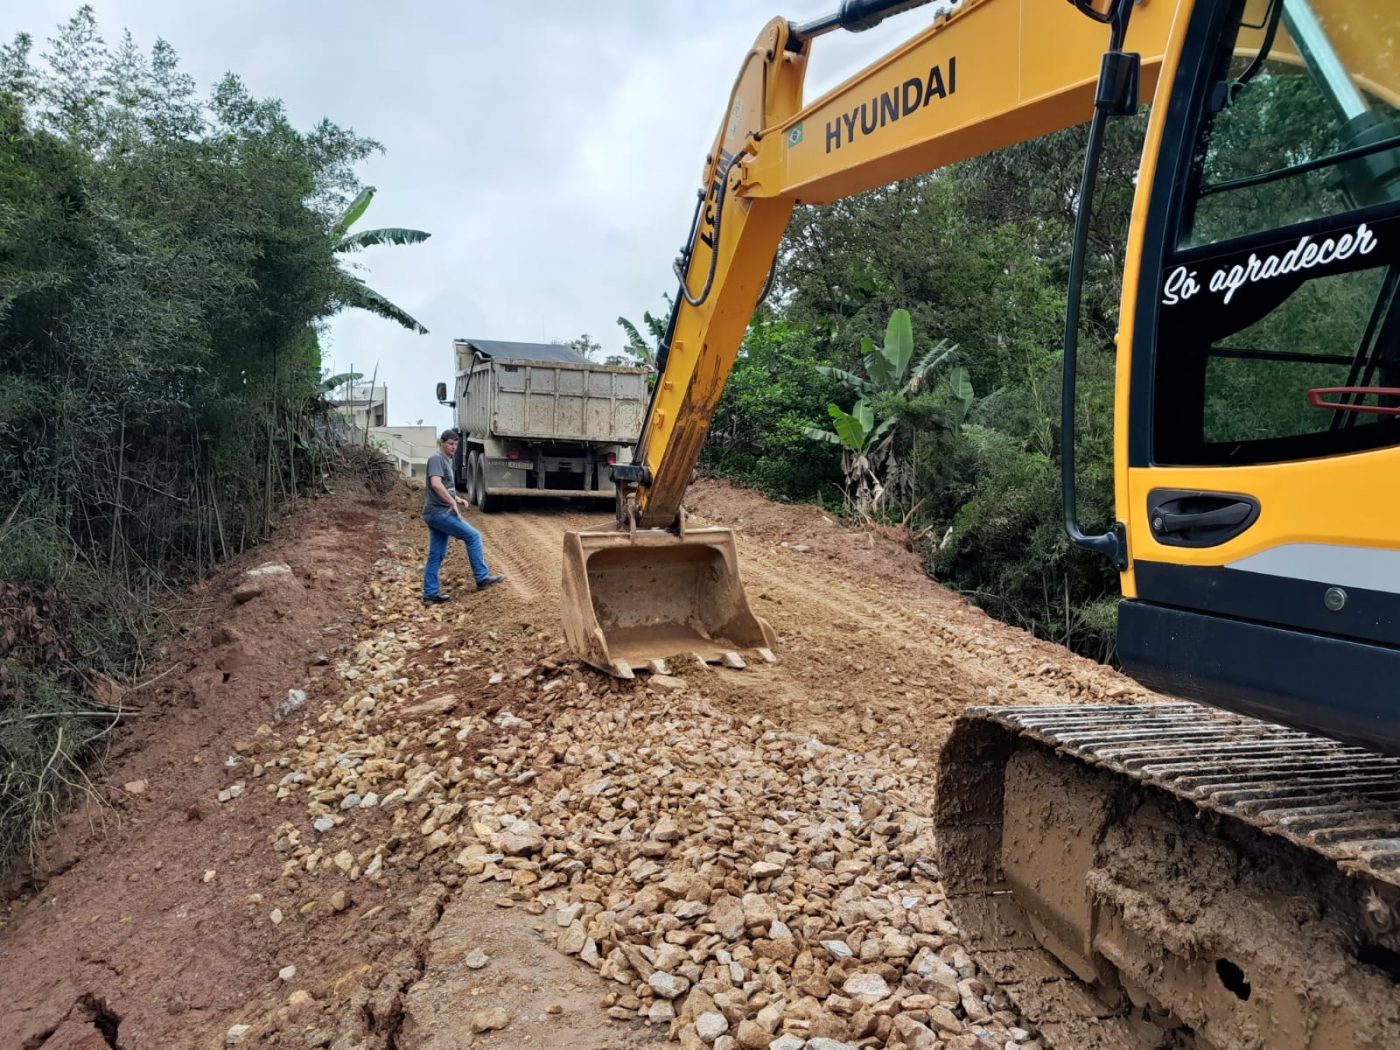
[128,926]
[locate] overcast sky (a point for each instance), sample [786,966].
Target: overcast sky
[552,149]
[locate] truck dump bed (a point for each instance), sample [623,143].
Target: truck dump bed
[521,390]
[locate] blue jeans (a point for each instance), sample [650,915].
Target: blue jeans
[442,526]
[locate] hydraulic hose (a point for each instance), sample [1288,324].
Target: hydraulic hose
[683,263]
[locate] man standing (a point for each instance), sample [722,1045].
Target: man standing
[444,519]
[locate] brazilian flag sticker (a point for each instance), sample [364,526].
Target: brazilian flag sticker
[794,136]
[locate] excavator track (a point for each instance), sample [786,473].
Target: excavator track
[1171,875]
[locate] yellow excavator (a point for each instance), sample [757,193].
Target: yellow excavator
[1168,874]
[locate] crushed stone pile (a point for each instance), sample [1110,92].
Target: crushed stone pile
[739,885]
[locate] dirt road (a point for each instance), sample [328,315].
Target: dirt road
[463,838]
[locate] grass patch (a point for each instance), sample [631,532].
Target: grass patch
[48,733]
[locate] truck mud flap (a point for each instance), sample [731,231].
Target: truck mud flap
[631,598]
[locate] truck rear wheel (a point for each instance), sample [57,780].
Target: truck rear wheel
[481,499]
[459,482]
[487,503]
[473,475]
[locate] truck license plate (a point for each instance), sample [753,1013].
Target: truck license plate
[519,464]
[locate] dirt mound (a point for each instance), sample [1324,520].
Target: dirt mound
[874,552]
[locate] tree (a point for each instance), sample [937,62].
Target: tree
[164,270]
[586,346]
[774,392]
[355,292]
[639,348]
[878,478]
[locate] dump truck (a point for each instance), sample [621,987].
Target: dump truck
[540,420]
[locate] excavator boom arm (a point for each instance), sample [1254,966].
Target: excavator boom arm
[987,74]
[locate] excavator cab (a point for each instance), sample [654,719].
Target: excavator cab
[1260,344]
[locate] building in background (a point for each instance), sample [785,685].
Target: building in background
[360,413]
[362,406]
[408,447]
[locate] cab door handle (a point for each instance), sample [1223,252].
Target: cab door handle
[1192,518]
[1166,521]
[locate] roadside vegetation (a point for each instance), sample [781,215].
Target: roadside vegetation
[166,258]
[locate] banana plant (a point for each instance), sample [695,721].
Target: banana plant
[643,350]
[355,292]
[331,383]
[866,437]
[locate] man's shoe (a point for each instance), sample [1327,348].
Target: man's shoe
[490,581]
[436,599]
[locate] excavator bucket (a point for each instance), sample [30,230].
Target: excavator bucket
[632,598]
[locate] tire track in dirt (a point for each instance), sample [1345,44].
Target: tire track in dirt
[817,588]
[912,615]
[866,610]
[854,659]
[502,533]
[858,655]
[529,546]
